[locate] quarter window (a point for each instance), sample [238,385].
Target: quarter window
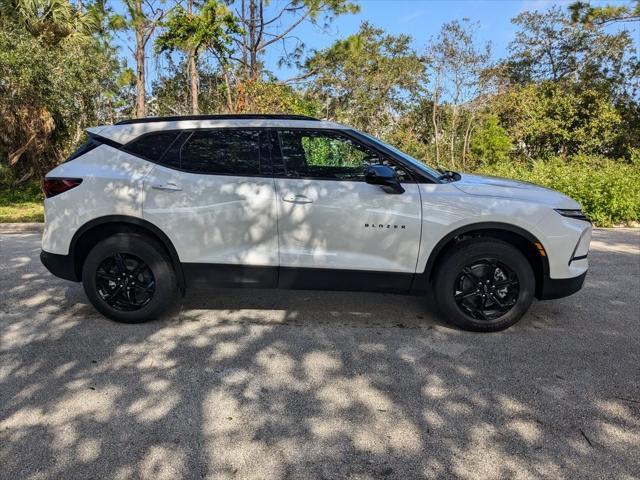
[153,146]
[234,152]
[326,155]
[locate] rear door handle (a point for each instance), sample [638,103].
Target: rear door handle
[291,198]
[169,186]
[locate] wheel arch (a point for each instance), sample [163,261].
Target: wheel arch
[99,228]
[520,238]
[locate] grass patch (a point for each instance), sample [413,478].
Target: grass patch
[21,204]
[22,212]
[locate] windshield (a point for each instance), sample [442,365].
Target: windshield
[404,155]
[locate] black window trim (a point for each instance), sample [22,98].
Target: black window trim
[186,133]
[417,175]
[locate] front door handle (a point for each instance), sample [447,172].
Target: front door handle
[291,198]
[169,186]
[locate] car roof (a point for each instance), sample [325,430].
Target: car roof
[129,130]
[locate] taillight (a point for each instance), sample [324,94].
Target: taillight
[54,186]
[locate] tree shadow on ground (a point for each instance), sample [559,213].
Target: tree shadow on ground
[272,384]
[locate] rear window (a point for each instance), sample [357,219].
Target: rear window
[235,152]
[152,146]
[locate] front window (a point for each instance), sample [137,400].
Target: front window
[327,155]
[405,156]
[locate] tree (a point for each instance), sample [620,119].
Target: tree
[50,20]
[561,118]
[210,28]
[46,100]
[260,33]
[455,65]
[491,143]
[171,90]
[367,80]
[585,13]
[143,18]
[580,82]
[549,46]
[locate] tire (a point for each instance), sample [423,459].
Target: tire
[123,297]
[488,267]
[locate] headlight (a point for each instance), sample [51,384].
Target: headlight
[576,214]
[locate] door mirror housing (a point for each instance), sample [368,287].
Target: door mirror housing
[385,177]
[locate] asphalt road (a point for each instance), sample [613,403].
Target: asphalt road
[272,384]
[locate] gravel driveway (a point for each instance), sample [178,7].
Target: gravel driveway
[272,384]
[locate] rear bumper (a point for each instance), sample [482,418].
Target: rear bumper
[558,288]
[61,266]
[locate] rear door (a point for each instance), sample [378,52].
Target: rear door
[329,218]
[213,194]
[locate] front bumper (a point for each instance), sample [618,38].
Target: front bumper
[61,266]
[558,288]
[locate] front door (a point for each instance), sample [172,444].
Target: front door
[330,219]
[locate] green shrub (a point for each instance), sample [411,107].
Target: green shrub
[490,143]
[608,190]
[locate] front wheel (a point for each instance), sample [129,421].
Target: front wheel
[484,285]
[128,278]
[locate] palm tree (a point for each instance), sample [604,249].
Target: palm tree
[211,28]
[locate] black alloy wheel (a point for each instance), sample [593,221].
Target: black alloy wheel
[125,282]
[483,284]
[129,278]
[486,289]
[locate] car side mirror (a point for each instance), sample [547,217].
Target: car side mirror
[384,176]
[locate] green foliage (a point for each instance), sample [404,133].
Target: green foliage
[608,190]
[549,46]
[561,118]
[212,27]
[45,99]
[327,152]
[366,79]
[274,97]
[171,91]
[589,15]
[490,142]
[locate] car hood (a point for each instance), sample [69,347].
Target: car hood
[502,187]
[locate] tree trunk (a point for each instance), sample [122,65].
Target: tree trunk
[467,135]
[254,39]
[193,81]
[434,120]
[245,41]
[227,85]
[454,118]
[192,65]
[140,110]
[436,135]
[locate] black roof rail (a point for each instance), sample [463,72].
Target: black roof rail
[225,116]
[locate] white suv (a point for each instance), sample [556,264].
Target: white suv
[149,207]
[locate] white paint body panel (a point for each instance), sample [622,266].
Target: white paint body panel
[324,225]
[214,218]
[448,207]
[111,185]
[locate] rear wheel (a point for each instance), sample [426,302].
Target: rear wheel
[128,278]
[484,285]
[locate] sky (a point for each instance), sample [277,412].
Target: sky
[421,19]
